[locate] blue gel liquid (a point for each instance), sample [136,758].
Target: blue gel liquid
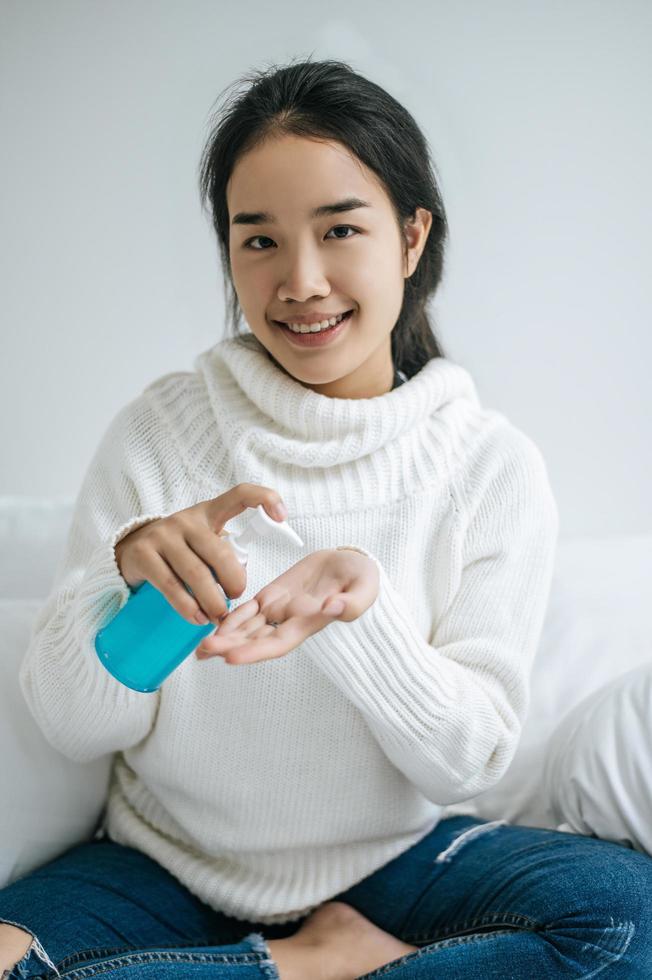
[148,639]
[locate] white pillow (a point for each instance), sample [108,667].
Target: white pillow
[49,802]
[596,627]
[33,532]
[598,773]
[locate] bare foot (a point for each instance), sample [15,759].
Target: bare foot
[344,943]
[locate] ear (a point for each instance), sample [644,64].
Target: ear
[417,229]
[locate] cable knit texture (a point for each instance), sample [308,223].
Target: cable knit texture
[268,788]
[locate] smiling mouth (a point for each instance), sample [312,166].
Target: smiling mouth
[345,316]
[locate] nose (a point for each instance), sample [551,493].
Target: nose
[304,278]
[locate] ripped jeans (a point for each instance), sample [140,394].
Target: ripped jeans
[478,899]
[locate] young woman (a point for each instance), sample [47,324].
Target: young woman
[276,809]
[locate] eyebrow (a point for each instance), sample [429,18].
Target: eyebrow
[264,217]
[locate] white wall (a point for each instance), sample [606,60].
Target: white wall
[536,116]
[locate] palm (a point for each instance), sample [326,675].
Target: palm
[296,600]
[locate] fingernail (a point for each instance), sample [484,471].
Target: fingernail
[201,619]
[280,511]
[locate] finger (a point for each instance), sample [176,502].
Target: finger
[197,576]
[217,645]
[274,641]
[264,631]
[239,498]
[168,583]
[253,651]
[207,650]
[222,641]
[334,605]
[247,630]
[218,557]
[279,641]
[239,616]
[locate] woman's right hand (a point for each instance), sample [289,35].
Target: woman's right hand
[183,547]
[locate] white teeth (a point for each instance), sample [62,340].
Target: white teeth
[314,327]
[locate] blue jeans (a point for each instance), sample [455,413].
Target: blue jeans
[479,899]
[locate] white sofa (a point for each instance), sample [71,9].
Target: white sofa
[584,762]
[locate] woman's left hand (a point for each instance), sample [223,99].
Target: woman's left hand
[302,601]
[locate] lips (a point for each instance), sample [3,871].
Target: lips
[317,338]
[283,323]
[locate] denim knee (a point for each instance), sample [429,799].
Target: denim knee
[610,910]
[625,885]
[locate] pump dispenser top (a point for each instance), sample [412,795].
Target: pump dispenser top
[261,524]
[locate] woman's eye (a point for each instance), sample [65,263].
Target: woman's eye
[248,244]
[337,228]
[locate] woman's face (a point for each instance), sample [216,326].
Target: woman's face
[287,262]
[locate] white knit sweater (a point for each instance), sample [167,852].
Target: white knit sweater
[267,788]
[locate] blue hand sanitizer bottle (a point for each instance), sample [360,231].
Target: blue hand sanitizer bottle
[148,639]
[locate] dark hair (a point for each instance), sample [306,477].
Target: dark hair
[328,100]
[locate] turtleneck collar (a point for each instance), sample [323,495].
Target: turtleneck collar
[299,427]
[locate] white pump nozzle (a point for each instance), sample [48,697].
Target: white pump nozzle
[261,524]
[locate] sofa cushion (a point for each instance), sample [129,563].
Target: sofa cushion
[598,773]
[49,802]
[596,628]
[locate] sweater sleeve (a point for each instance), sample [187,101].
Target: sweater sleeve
[448,713]
[82,710]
